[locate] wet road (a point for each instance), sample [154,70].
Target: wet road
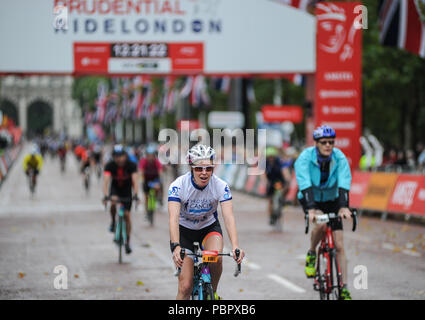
[63,226]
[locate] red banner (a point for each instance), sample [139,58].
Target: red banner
[338,75]
[138,57]
[408,195]
[282,113]
[359,184]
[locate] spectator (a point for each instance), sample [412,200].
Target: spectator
[410,160]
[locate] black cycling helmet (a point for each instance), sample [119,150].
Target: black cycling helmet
[118,150]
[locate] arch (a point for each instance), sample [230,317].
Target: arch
[10,109]
[39,117]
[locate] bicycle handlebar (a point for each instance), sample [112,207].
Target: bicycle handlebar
[183,253]
[353,215]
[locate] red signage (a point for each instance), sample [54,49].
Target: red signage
[188,125]
[138,57]
[408,195]
[359,185]
[338,75]
[282,113]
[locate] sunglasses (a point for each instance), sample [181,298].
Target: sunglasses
[201,169]
[330,142]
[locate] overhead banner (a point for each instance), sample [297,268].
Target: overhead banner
[156,36]
[338,99]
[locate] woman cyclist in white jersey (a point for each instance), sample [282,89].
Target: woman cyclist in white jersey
[192,206]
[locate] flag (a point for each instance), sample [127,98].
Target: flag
[402,25]
[187,88]
[101,102]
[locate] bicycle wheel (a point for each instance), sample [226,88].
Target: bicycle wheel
[208,292]
[120,239]
[319,284]
[336,278]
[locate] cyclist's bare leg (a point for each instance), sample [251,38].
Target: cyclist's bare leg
[340,253]
[270,205]
[215,243]
[128,224]
[317,234]
[113,210]
[185,280]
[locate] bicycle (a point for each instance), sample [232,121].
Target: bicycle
[278,202]
[87,178]
[151,205]
[120,237]
[202,286]
[31,180]
[328,278]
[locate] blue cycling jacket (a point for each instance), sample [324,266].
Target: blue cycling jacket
[307,172]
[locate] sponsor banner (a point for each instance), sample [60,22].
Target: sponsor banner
[272,114]
[293,189]
[250,183]
[379,191]
[338,75]
[359,186]
[138,57]
[229,34]
[408,195]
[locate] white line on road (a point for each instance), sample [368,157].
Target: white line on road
[390,246]
[286,283]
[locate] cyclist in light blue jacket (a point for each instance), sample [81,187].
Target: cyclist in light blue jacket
[324,178]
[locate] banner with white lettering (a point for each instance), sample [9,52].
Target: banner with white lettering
[338,101]
[214,37]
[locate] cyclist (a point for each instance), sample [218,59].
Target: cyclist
[97,155]
[85,159]
[324,178]
[192,205]
[276,171]
[33,161]
[120,179]
[62,154]
[150,170]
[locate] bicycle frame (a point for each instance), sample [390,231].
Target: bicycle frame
[201,272]
[327,252]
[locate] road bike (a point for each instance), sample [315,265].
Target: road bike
[328,279]
[202,286]
[120,237]
[87,178]
[31,180]
[151,205]
[278,202]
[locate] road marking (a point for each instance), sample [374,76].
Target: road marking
[251,265]
[411,253]
[286,283]
[390,246]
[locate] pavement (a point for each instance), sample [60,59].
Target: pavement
[56,245]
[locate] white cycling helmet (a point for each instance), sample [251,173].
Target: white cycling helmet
[200,152]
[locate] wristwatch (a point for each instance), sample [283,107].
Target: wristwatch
[174,245]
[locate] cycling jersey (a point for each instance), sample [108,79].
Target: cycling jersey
[198,205]
[310,176]
[121,176]
[35,162]
[151,169]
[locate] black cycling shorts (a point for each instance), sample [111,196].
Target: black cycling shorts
[115,192]
[189,236]
[328,207]
[146,185]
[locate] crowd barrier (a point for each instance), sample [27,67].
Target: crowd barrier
[375,191]
[7,159]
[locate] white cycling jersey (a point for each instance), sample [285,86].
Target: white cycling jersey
[198,206]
